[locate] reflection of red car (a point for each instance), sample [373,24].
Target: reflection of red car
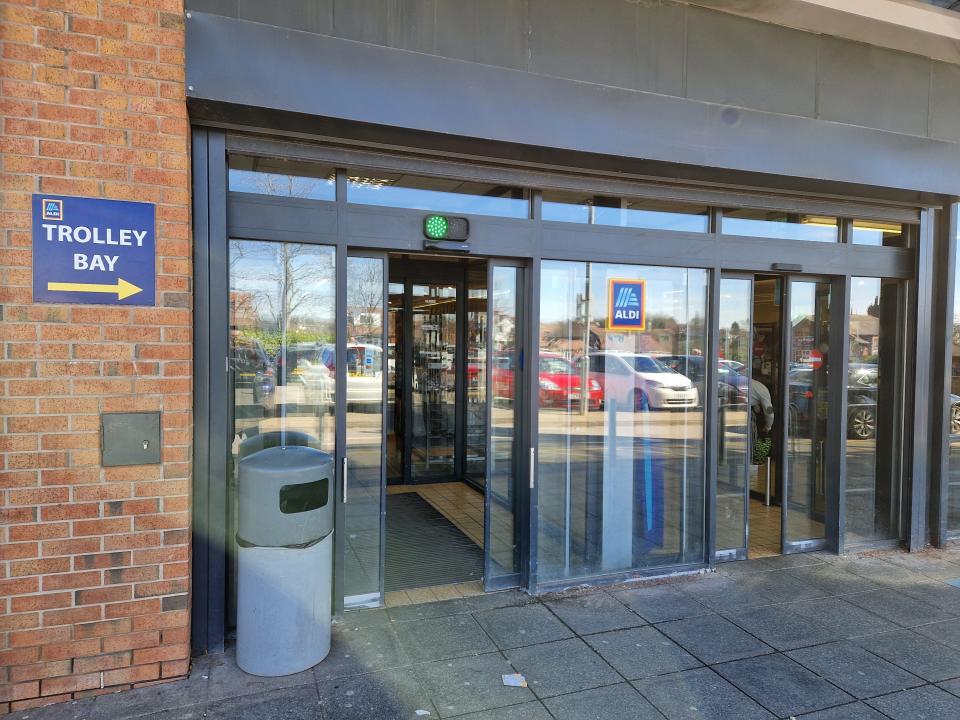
[559,382]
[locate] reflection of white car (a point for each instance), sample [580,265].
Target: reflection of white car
[313,368]
[639,381]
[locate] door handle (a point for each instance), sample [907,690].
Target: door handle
[344,480]
[533,464]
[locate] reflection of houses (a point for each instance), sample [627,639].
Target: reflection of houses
[663,336]
[864,336]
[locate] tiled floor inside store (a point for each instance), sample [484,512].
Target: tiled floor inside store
[812,637]
[764,530]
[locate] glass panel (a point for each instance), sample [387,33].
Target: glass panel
[504,424]
[436,194]
[621,479]
[953,420]
[272,176]
[395,383]
[434,379]
[624,212]
[868,232]
[475,445]
[805,467]
[873,400]
[364,449]
[282,345]
[735,422]
[780,225]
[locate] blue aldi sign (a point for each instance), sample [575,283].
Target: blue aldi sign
[93,251]
[627,305]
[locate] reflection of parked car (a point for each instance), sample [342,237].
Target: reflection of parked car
[641,381]
[732,386]
[314,366]
[862,385]
[558,379]
[560,384]
[251,367]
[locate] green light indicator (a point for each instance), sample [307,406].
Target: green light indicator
[435,227]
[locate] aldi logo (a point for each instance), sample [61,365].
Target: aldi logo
[627,305]
[52,209]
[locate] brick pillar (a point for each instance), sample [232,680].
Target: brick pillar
[94,562]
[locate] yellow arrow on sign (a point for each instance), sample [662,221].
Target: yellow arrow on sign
[123,289]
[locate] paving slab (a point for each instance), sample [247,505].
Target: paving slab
[781,685]
[227,680]
[946,632]
[527,711]
[915,653]
[660,603]
[926,703]
[194,712]
[130,703]
[443,638]
[512,627]
[613,702]
[713,639]
[898,607]
[641,652]
[854,670]
[561,667]
[939,594]
[699,694]
[298,703]
[470,685]
[424,611]
[726,594]
[593,612]
[778,627]
[840,618]
[360,651]
[833,580]
[355,619]
[853,711]
[503,598]
[385,695]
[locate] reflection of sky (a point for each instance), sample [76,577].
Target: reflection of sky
[735,306]
[624,217]
[864,292]
[263,183]
[677,293]
[780,230]
[436,200]
[256,269]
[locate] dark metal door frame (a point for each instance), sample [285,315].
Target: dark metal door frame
[344,225]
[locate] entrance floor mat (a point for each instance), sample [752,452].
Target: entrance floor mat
[424,548]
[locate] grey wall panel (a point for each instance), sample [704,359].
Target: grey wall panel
[415,26]
[756,65]
[593,41]
[873,87]
[382,86]
[662,29]
[310,15]
[945,102]
[268,218]
[493,32]
[364,20]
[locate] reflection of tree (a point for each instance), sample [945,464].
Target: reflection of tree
[365,293]
[289,287]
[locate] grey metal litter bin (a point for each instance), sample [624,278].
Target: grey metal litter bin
[284,559]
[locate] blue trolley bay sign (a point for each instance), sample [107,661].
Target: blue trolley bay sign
[93,251]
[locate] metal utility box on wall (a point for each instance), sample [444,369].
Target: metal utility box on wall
[130,439]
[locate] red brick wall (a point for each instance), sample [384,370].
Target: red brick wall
[94,562]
